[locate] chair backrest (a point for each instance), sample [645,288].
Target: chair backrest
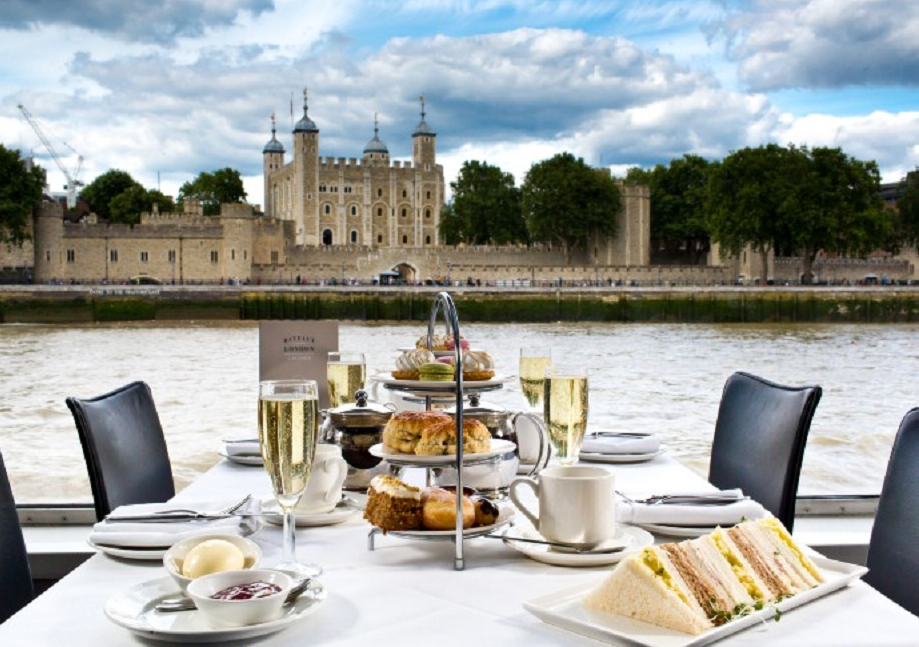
[15,578]
[893,560]
[124,448]
[759,440]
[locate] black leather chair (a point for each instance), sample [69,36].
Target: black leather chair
[759,440]
[15,578]
[893,559]
[124,448]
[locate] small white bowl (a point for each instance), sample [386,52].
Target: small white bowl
[239,613]
[174,559]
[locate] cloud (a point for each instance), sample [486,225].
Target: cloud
[163,20]
[822,43]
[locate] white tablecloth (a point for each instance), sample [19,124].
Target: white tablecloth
[407,592]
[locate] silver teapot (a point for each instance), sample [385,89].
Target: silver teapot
[531,452]
[356,427]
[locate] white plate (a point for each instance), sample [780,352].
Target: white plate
[133,610]
[564,610]
[621,458]
[244,459]
[341,513]
[633,538]
[498,447]
[437,353]
[680,531]
[247,528]
[505,516]
[448,385]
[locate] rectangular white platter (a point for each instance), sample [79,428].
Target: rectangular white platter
[564,610]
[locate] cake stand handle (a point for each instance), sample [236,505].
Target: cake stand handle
[444,300]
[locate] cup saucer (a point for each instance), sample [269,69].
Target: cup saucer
[633,537]
[339,514]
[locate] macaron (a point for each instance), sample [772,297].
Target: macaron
[435,372]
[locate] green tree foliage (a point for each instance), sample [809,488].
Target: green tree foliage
[679,207]
[100,192]
[797,201]
[224,186]
[486,206]
[567,202]
[637,175]
[449,225]
[20,192]
[908,212]
[129,204]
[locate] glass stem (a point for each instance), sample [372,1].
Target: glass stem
[289,546]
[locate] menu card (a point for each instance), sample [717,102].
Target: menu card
[297,350]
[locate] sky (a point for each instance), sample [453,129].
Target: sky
[166,90]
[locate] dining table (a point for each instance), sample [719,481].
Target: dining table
[407,592]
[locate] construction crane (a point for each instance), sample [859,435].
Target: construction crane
[73,179]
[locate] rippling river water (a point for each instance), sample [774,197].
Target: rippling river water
[660,377]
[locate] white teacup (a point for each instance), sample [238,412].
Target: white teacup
[323,490]
[576,503]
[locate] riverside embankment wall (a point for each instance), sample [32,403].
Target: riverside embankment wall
[734,304]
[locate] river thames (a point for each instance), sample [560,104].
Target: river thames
[665,378]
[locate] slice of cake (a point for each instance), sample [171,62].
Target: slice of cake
[647,586]
[393,504]
[697,584]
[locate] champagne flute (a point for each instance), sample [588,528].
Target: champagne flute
[565,410]
[288,430]
[533,365]
[347,374]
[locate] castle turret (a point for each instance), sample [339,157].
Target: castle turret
[272,162]
[306,160]
[423,156]
[375,151]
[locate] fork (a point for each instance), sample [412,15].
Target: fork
[186,512]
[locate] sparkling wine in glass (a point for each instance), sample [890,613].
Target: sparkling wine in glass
[347,374]
[288,430]
[533,365]
[565,409]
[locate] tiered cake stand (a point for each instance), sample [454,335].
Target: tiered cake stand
[443,300]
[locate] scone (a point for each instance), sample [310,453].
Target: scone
[438,510]
[403,430]
[440,439]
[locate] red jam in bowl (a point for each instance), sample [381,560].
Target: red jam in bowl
[247,591]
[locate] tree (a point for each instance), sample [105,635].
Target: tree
[20,192]
[797,201]
[907,233]
[486,206]
[679,207]
[100,192]
[449,225]
[224,186]
[566,201]
[128,205]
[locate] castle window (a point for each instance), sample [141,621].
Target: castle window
[48,255]
[404,213]
[379,193]
[232,254]
[379,238]
[347,189]
[428,195]
[326,236]
[71,256]
[427,213]
[171,256]
[404,193]
[405,240]
[245,254]
[353,210]
[354,235]
[380,212]
[309,197]
[327,209]
[334,188]
[322,188]
[113,255]
[427,240]
[144,257]
[274,258]
[213,256]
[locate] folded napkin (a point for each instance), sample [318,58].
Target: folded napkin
[156,534]
[610,443]
[244,447]
[690,514]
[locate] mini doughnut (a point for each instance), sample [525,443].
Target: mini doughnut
[438,511]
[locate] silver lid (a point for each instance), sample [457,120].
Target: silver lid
[490,415]
[360,413]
